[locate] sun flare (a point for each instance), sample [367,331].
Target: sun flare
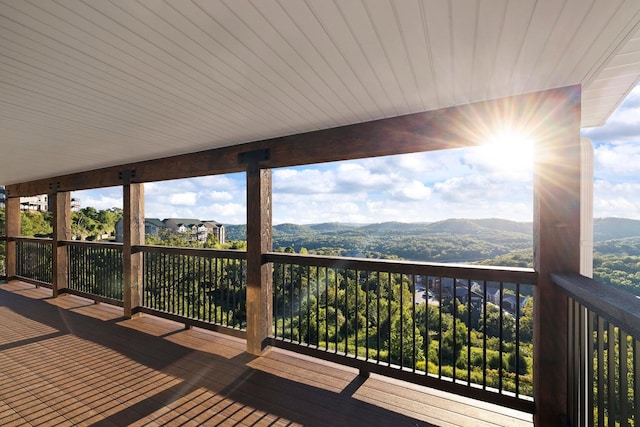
[508,151]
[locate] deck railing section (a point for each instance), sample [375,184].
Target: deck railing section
[34,260]
[467,329]
[604,353]
[202,286]
[95,270]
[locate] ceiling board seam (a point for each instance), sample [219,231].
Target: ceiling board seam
[284,62]
[100,78]
[403,36]
[92,57]
[386,53]
[251,102]
[348,63]
[427,40]
[364,55]
[230,102]
[319,53]
[304,60]
[115,100]
[494,62]
[273,85]
[285,81]
[613,52]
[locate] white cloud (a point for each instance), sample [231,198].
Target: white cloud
[412,190]
[616,199]
[183,199]
[611,160]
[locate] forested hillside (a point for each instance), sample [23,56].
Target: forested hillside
[453,240]
[485,241]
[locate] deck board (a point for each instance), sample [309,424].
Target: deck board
[68,361]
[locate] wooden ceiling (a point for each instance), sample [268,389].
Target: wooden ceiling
[86,84]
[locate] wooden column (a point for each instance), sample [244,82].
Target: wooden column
[259,274]
[60,204]
[133,234]
[12,225]
[556,249]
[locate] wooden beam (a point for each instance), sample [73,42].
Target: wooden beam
[556,249]
[133,230]
[259,242]
[12,229]
[453,127]
[61,207]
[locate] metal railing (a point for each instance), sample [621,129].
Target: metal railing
[95,270]
[459,328]
[464,329]
[34,260]
[604,353]
[203,286]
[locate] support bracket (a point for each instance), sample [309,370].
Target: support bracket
[127,175]
[254,156]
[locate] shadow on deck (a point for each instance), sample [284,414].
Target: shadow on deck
[67,361]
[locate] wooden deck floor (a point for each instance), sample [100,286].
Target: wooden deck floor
[67,361]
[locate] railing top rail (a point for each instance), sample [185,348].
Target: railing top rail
[617,306]
[176,250]
[31,239]
[474,272]
[93,244]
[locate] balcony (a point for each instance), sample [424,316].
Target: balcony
[68,361]
[195,306]
[123,94]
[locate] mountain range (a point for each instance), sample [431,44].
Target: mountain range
[451,240]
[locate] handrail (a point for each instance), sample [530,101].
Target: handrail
[108,245]
[617,306]
[30,239]
[204,252]
[461,271]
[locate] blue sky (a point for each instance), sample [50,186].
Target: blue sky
[461,183]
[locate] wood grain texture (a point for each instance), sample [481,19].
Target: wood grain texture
[98,369]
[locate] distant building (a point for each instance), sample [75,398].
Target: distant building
[198,230]
[75,204]
[192,229]
[35,203]
[153,226]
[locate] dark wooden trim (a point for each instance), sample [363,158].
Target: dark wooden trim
[615,305]
[61,206]
[453,127]
[556,236]
[12,230]
[473,272]
[206,253]
[238,333]
[133,227]
[105,245]
[30,239]
[474,392]
[96,298]
[32,281]
[259,242]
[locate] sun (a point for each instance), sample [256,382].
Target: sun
[507,150]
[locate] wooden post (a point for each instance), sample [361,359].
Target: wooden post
[259,274]
[12,229]
[556,249]
[60,204]
[133,234]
